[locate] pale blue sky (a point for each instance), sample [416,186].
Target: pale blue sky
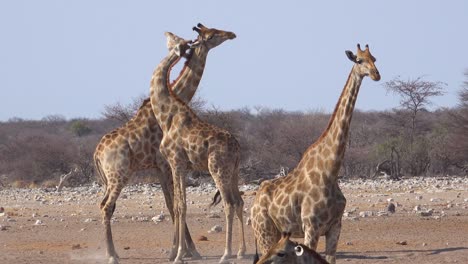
[73,57]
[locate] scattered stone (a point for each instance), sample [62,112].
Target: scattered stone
[202,238]
[214,215]
[76,246]
[215,229]
[349,243]
[2,210]
[159,218]
[248,221]
[89,220]
[403,243]
[365,214]
[382,213]
[424,244]
[39,222]
[3,228]
[391,208]
[417,208]
[126,248]
[419,197]
[426,213]
[390,200]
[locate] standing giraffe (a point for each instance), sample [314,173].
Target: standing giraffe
[190,144]
[308,201]
[135,145]
[289,252]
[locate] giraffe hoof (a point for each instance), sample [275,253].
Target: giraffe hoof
[113,260]
[225,259]
[196,256]
[178,261]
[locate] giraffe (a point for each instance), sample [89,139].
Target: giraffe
[308,201]
[289,252]
[135,145]
[190,144]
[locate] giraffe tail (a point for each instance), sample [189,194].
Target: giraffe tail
[100,172]
[216,199]
[256,257]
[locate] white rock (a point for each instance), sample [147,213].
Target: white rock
[365,214]
[216,229]
[158,218]
[39,222]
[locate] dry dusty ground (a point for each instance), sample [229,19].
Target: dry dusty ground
[69,228]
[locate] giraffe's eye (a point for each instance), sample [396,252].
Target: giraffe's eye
[358,61]
[210,37]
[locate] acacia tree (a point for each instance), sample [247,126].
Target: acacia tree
[415,96]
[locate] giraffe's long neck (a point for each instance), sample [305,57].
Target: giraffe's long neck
[187,83]
[161,100]
[331,145]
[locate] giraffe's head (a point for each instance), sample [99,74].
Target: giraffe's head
[365,63]
[176,43]
[211,37]
[287,251]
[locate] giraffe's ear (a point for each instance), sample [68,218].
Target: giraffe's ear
[350,55]
[299,250]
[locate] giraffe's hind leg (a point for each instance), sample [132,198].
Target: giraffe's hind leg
[168,190]
[239,211]
[108,205]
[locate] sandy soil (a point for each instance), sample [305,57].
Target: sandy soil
[46,227]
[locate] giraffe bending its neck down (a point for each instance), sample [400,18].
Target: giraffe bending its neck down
[135,145]
[190,144]
[308,201]
[289,252]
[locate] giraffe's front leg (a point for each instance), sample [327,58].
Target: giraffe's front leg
[311,235]
[331,244]
[178,173]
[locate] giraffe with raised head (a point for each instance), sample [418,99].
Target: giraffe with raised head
[190,144]
[308,201]
[290,252]
[135,145]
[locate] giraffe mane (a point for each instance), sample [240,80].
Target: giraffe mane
[330,122]
[146,101]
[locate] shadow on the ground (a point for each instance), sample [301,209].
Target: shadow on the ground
[363,255]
